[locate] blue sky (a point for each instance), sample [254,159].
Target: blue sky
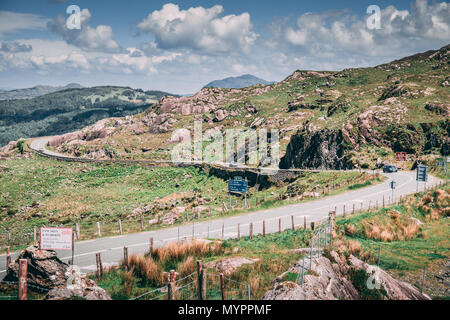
[178,46]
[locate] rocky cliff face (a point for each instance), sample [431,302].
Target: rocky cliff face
[323,149]
[340,278]
[48,273]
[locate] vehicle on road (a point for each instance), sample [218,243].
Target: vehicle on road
[388,168]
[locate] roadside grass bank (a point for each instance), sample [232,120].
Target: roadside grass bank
[404,253]
[43,192]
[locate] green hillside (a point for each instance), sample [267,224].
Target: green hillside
[69,110]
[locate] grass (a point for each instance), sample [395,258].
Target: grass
[39,191]
[406,255]
[273,252]
[404,259]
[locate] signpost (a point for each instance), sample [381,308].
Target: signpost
[443,163]
[239,186]
[56,239]
[393,186]
[421,175]
[400,156]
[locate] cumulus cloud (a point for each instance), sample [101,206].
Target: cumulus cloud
[14,21]
[87,38]
[402,31]
[14,47]
[199,29]
[73,60]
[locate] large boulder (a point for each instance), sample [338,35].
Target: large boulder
[338,278]
[48,273]
[228,265]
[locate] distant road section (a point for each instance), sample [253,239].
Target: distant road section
[112,247]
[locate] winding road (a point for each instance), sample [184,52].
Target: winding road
[111,248]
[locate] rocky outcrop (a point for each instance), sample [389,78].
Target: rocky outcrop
[338,278]
[9,149]
[395,90]
[323,149]
[47,272]
[438,108]
[229,265]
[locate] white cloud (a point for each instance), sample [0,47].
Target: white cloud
[402,32]
[15,47]
[87,38]
[199,29]
[14,21]
[73,60]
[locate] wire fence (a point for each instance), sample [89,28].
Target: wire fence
[321,239]
[11,291]
[85,230]
[216,287]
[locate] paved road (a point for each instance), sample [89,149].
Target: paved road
[112,248]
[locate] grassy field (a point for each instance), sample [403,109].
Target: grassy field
[38,191]
[404,259]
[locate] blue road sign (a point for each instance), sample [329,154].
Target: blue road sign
[237,186]
[422,173]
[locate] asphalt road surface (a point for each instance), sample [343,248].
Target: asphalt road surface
[111,248]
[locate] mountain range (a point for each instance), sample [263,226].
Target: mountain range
[70,109]
[352,118]
[37,91]
[243,81]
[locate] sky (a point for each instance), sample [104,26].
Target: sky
[179,46]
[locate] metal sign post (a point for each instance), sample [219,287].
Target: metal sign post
[56,239]
[393,185]
[421,175]
[400,157]
[239,186]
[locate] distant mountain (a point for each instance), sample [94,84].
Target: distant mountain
[69,110]
[243,81]
[37,91]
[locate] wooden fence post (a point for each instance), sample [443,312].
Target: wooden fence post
[344,210]
[279,225]
[251,230]
[8,258]
[151,246]
[353,212]
[23,270]
[370,202]
[142,223]
[223,231]
[292,222]
[264,228]
[120,226]
[201,281]
[222,286]
[383,200]
[423,278]
[125,257]
[171,287]
[99,266]
[77,228]
[99,231]
[304,222]
[312,225]
[239,232]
